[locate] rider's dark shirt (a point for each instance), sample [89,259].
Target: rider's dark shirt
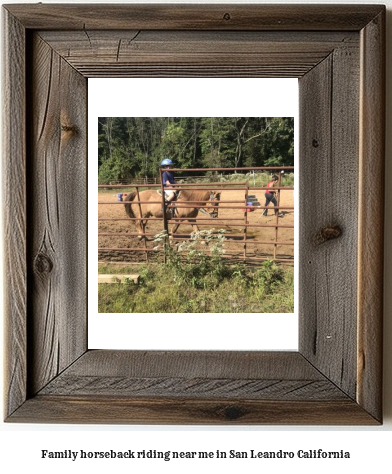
[167,176]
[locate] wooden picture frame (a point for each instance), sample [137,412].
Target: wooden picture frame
[338,54]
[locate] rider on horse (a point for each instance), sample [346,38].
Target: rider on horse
[168,180]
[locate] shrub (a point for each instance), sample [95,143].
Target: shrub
[198,279]
[189,262]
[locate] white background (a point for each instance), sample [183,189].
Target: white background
[182,98]
[20,445]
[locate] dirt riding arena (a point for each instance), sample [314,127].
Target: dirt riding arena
[251,243]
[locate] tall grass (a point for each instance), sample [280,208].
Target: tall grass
[195,280]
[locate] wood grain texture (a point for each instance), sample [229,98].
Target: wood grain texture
[329,98]
[193,387]
[129,53]
[14,209]
[57,215]
[103,409]
[193,17]
[371,216]
[206,374]
[208,364]
[335,378]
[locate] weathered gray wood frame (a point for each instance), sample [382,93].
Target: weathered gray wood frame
[337,52]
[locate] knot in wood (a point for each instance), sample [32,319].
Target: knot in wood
[328,233]
[43,264]
[68,128]
[315,143]
[232,412]
[227,16]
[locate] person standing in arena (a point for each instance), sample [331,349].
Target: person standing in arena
[270,195]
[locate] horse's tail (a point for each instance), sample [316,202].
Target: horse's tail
[128,207]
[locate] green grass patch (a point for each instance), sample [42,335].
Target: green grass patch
[195,280]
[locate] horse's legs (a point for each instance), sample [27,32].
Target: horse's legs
[195,227]
[191,221]
[141,225]
[175,228]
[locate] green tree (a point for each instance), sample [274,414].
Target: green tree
[134,146]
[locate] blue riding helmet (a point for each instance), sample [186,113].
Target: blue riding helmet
[166,162]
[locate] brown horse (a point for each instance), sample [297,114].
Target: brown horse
[206,200]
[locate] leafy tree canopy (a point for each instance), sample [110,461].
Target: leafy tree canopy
[130,147]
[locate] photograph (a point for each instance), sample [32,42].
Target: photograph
[196,214]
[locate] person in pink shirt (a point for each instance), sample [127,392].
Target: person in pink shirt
[270,195]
